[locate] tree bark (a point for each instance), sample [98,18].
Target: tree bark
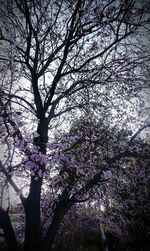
[62,207]
[33,240]
[9,234]
[32,214]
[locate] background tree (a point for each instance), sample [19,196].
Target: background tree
[128,212]
[57,57]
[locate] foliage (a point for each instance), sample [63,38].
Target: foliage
[129,212]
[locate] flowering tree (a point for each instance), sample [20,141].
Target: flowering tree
[59,57]
[87,168]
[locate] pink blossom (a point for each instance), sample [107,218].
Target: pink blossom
[29,165]
[39,157]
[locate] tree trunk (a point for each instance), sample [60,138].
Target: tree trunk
[62,207]
[33,233]
[9,234]
[53,230]
[32,214]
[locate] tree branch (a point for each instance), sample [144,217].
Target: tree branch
[12,183]
[137,133]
